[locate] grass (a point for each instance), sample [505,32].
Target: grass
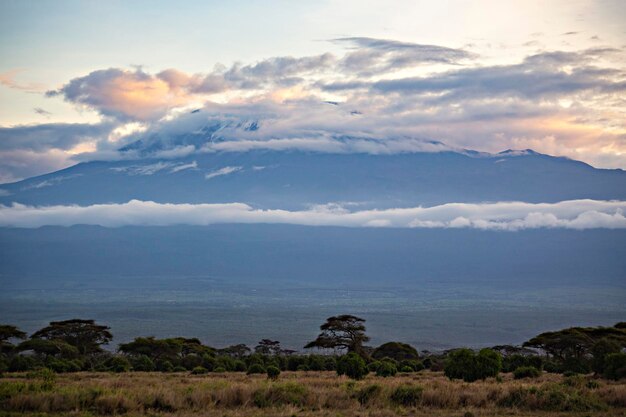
[306,394]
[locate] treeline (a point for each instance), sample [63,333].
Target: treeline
[77,345]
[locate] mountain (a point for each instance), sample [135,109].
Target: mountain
[295,179]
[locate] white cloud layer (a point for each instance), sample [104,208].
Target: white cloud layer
[505,216]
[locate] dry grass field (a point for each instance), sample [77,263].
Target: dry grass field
[305,394]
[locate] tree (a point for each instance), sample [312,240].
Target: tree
[8,332]
[600,350]
[236,351]
[268,347]
[84,335]
[395,350]
[155,349]
[49,348]
[341,332]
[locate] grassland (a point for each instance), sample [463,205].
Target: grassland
[305,394]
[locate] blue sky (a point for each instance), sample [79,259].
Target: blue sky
[283,55]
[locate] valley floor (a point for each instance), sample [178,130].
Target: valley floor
[306,394]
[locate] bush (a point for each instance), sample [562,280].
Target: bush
[601,349]
[63,365]
[512,362]
[373,366]
[366,394]
[386,369]
[280,394]
[459,363]
[273,372]
[21,363]
[219,370]
[352,365]
[179,369]
[118,364]
[165,366]
[406,369]
[142,363]
[407,395]
[240,366]
[191,361]
[466,365]
[615,366]
[303,368]
[199,370]
[526,372]
[256,368]
[415,366]
[396,351]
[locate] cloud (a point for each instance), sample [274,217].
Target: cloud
[374,56]
[8,80]
[222,171]
[41,112]
[31,150]
[63,136]
[390,96]
[505,216]
[183,167]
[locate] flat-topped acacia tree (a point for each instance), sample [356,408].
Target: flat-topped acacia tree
[85,335]
[341,332]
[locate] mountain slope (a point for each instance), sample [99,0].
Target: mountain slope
[296,179]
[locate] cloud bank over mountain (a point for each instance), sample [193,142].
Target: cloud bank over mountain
[502,216]
[568,103]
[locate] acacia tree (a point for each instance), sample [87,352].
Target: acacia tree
[341,332]
[8,332]
[84,335]
[268,347]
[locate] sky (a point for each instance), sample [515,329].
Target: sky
[80,79]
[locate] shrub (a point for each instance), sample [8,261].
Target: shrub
[407,395]
[62,365]
[373,366]
[273,372]
[512,362]
[406,369]
[396,351]
[199,370]
[303,368]
[459,363]
[601,349]
[280,394]
[488,363]
[615,366]
[179,369]
[142,363]
[165,366]
[352,365]
[21,363]
[239,366]
[526,372]
[366,394]
[316,362]
[466,365]
[386,369]
[415,366]
[191,361]
[256,368]
[118,364]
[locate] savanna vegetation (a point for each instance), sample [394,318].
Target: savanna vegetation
[64,367]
